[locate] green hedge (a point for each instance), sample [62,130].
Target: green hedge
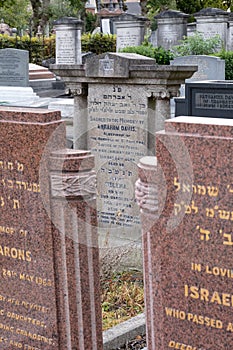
[98,43]
[43,48]
[39,48]
[228,57]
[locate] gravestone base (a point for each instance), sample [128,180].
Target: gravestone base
[121,258]
[20,96]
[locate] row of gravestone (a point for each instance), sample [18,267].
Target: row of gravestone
[173,26]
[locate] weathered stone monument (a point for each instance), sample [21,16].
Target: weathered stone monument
[209,67]
[68,40]
[120,101]
[229,46]
[129,30]
[211,22]
[49,292]
[172,27]
[186,210]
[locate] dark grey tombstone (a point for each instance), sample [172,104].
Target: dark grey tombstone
[210,99]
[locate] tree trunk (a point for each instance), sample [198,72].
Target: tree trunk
[40,14]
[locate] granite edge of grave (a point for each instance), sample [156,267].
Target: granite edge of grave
[118,335]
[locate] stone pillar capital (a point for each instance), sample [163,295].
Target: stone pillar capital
[76,89]
[164,92]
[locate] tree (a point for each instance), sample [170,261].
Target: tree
[152,7]
[40,9]
[192,6]
[9,9]
[45,10]
[7,3]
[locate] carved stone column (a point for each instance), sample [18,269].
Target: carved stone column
[80,121]
[146,197]
[162,97]
[160,109]
[73,211]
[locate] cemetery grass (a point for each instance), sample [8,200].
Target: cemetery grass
[122,297]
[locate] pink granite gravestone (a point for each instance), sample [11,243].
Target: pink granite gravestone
[46,264]
[188,239]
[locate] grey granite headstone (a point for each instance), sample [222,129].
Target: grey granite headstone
[68,40]
[209,68]
[14,65]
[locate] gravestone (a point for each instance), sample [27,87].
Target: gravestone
[129,30]
[210,99]
[14,78]
[48,298]
[172,27]
[209,68]
[68,40]
[211,22]
[14,67]
[188,237]
[120,99]
[118,136]
[229,46]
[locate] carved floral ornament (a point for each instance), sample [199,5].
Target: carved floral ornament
[75,185]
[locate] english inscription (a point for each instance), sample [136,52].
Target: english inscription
[207,100]
[118,138]
[65,52]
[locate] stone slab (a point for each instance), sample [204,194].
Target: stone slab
[188,245]
[209,68]
[14,67]
[17,95]
[115,65]
[64,105]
